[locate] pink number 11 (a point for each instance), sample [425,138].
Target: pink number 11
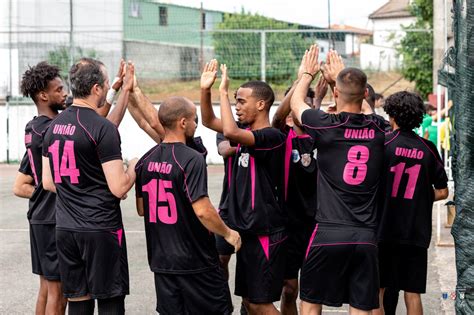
[412,172]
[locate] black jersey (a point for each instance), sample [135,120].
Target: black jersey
[170,177]
[197,144]
[77,142]
[42,203]
[300,178]
[412,167]
[227,175]
[256,187]
[350,162]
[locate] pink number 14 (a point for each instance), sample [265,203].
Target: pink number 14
[68,162]
[165,216]
[412,172]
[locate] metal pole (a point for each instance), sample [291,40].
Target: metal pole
[329,24]
[262,56]
[201,34]
[10,83]
[71,33]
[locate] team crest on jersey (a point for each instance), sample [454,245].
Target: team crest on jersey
[295,156]
[306,159]
[315,154]
[244,160]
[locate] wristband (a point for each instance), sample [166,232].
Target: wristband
[110,96]
[312,76]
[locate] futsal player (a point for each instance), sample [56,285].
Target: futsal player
[341,263]
[172,195]
[256,189]
[82,163]
[43,84]
[414,179]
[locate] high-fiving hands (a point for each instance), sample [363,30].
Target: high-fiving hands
[224,86]
[310,61]
[209,74]
[334,64]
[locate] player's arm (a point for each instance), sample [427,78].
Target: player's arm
[230,129]
[208,216]
[120,181]
[320,91]
[138,116]
[225,149]
[208,78]
[140,207]
[23,186]
[116,115]
[116,85]
[48,183]
[311,68]
[440,194]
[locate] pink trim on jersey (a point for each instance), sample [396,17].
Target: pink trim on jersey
[265,242]
[269,149]
[32,164]
[434,154]
[288,149]
[304,136]
[280,241]
[252,179]
[345,243]
[146,157]
[34,130]
[328,127]
[90,136]
[395,137]
[311,240]
[229,171]
[378,127]
[184,173]
[119,234]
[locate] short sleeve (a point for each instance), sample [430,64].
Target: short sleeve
[25,166]
[314,119]
[195,178]
[439,177]
[219,138]
[267,140]
[108,144]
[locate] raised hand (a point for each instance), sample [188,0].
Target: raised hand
[311,63]
[209,74]
[332,67]
[301,69]
[120,75]
[129,80]
[320,89]
[224,87]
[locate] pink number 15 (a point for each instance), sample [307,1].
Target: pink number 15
[165,216]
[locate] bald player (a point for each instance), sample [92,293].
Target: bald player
[340,263]
[171,191]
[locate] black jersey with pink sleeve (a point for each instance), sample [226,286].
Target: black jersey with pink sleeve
[77,142]
[42,203]
[413,167]
[350,162]
[301,172]
[256,203]
[170,178]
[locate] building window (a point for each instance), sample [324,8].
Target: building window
[203,21]
[134,9]
[163,16]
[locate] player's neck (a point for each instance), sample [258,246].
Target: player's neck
[171,136]
[45,110]
[348,108]
[85,102]
[260,123]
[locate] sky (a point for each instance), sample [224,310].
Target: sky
[310,12]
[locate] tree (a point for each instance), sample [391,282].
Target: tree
[241,51]
[60,57]
[416,47]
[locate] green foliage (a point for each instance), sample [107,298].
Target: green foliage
[241,51]
[416,48]
[61,57]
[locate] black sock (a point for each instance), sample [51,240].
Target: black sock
[81,307]
[112,306]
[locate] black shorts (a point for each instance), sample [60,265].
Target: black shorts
[403,267]
[341,266]
[223,248]
[93,263]
[297,243]
[260,267]
[199,293]
[44,254]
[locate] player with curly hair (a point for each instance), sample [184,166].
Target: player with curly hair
[44,85]
[414,178]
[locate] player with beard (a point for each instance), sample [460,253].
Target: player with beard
[256,207]
[172,196]
[82,163]
[45,87]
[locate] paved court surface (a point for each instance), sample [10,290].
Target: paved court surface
[18,286]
